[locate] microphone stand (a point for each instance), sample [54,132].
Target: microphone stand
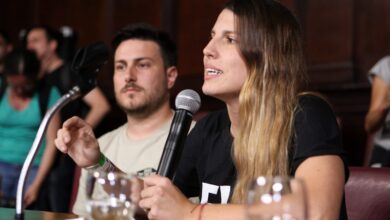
[73,94]
[87,62]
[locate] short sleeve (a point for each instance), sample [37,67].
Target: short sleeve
[316,131]
[381,69]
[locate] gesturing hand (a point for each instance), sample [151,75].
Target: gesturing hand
[77,139]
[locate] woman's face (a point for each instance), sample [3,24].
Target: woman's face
[224,68]
[21,85]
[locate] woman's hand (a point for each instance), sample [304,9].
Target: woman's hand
[31,194]
[164,201]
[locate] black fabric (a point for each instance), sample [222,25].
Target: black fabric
[380,156]
[207,155]
[44,93]
[64,79]
[3,85]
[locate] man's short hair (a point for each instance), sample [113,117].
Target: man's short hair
[142,31]
[51,33]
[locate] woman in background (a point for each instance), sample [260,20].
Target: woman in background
[20,117]
[377,121]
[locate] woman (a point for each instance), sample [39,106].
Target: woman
[254,63]
[377,121]
[20,117]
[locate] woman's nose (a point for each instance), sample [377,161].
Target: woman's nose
[210,49]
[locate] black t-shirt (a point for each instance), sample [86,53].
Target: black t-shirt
[206,167]
[65,79]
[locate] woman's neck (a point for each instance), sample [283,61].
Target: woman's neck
[233,111]
[18,102]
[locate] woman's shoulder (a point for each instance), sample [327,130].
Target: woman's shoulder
[314,108]
[309,101]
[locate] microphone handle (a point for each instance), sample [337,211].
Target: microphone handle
[175,143]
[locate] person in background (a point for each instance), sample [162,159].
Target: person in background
[144,73]
[20,117]
[377,121]
[5,48]
[45,41]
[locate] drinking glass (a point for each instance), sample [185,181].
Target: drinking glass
[276,198]
[108,196]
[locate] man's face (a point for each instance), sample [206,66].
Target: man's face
[37,41]
[141,82]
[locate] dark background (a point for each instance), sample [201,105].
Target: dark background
[343,39]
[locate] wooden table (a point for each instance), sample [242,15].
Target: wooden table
[9,214]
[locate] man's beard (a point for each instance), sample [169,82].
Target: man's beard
[150,104]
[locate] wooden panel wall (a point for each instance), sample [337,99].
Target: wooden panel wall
[343,39]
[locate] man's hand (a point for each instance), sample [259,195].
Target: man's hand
[77,139]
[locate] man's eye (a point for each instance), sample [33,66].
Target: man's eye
[119,67]
[143,65]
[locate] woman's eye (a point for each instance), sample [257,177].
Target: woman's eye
[231,40]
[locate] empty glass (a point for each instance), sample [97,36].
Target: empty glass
[108,196]
[276,198]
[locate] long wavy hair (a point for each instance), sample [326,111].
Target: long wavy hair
[270,43]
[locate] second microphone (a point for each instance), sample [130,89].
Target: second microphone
[187,103]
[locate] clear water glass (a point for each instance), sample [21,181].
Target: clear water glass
[276,198]
[108,196]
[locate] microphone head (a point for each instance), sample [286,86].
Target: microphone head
[90,58]
[188,100]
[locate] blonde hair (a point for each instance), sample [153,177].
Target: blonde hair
[270,43]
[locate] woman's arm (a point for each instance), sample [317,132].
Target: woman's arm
[324,179]
[379,105]
[99,107]
[46,162]
[164,201]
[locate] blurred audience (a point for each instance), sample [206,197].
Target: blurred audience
[45,41]
[377,120]
[22,106]
[5,48]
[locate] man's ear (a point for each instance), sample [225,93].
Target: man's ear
[171,76]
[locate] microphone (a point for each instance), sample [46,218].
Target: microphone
[87,62]
[187,103]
